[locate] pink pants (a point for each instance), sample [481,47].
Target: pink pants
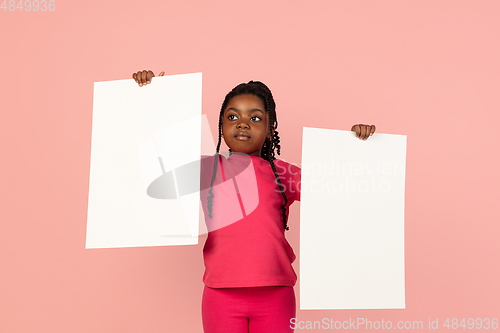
[248,310]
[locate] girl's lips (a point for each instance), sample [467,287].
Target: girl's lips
[242,136]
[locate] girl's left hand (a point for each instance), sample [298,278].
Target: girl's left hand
[363,132]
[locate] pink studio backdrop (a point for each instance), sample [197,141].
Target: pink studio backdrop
[426,69]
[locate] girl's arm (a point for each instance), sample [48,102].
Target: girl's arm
[363,132]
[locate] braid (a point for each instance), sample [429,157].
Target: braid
[283,207]
[211,193]
[260,90]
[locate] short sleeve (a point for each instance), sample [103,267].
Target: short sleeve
[295,176]
[290,176]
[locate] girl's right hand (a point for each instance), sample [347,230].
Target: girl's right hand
[144,77]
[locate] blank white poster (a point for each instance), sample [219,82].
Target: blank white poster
[352,221]
[142,137]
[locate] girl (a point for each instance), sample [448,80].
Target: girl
[248,276]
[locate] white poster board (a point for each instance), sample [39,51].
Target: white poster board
[140,134]
[352,221]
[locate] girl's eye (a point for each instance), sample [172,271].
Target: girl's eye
[233,117]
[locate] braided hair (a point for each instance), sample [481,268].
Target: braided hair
[260,90]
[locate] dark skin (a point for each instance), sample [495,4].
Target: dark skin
[246,123]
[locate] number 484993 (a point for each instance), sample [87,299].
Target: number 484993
[478,323]
[27,5]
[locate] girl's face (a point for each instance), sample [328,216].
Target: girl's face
[245,124]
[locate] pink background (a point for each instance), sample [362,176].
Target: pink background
[426,69]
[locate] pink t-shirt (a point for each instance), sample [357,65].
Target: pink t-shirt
[246,245]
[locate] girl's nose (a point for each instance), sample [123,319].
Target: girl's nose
[242,124]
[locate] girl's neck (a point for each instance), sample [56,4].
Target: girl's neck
[244,155]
